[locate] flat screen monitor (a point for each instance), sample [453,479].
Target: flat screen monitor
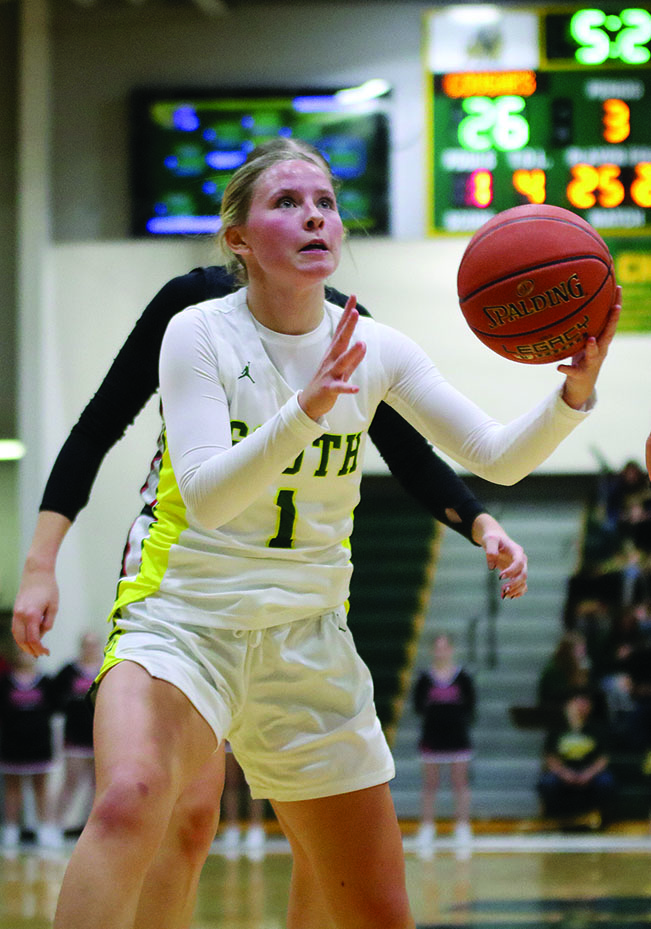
[185,146]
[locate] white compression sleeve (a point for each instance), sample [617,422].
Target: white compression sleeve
[503,453]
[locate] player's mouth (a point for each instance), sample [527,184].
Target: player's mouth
[316,245]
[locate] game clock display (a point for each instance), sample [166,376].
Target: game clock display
[573,131]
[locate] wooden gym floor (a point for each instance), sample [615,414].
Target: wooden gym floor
[515,880]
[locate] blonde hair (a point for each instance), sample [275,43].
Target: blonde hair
[238,194]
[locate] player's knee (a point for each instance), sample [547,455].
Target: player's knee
[195,825]
[389,910]
[134,801]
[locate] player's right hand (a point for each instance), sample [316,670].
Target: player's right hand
[35,610]
[339,362]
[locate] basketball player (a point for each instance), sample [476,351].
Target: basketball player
[234,626]
[167,899]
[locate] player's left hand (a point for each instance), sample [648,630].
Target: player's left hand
[581,374]
[502,553]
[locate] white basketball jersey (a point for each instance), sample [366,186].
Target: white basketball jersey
[287,555]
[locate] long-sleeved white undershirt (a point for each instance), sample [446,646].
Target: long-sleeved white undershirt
[219,480]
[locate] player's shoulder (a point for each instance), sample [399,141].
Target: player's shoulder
[199,284]
[216,307]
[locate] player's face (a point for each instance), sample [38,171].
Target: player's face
[293,227]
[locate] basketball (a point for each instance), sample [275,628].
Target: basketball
[534,282]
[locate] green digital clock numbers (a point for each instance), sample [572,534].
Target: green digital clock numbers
[594,38]
[493,124]
[601,36]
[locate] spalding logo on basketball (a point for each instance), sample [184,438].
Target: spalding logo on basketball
[534,282]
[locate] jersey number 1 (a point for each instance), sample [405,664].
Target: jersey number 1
[284,537]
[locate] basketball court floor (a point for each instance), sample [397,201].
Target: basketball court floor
[541,881]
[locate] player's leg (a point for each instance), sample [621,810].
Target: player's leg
[353,845]
[150,743]
[169,892]
[307,907]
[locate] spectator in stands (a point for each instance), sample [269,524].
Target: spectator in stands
[444,695]
[567,670]
[26,748]
[638,666]
[616,682]
[72,684]
[629,505]
[592,619]
[577,779]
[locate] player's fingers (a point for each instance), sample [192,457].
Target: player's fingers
[617,297]
[512,591]
[341,339]
[26,630]
[351,359]
[609,330]
[348,319]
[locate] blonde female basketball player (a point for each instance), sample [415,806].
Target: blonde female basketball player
[234,626]
[168,892]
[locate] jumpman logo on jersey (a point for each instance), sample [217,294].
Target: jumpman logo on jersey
[246,373]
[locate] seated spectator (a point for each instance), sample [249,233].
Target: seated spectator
[567,670]
[629,505]
[638,667]
[577,779]
[592,619]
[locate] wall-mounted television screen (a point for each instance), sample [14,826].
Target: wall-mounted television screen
[185,145]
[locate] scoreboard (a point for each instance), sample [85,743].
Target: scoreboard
[545,106]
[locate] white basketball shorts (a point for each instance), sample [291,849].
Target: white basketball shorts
[295,701]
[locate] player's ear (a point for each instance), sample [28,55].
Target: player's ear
[234,238]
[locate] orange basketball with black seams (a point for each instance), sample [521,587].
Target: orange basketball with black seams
[534,282]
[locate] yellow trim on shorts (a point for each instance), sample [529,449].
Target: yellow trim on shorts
[110,659]
[170,520]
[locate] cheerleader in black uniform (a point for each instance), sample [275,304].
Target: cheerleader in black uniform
[444,696]
[27,704]
[72,684]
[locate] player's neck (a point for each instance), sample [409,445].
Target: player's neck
[286,309]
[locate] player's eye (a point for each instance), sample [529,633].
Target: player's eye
[285,202]
[327,203]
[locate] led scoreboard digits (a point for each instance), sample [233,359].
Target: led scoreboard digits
[562,118]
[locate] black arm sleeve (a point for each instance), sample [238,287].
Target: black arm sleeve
[413,462]
[128,385]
